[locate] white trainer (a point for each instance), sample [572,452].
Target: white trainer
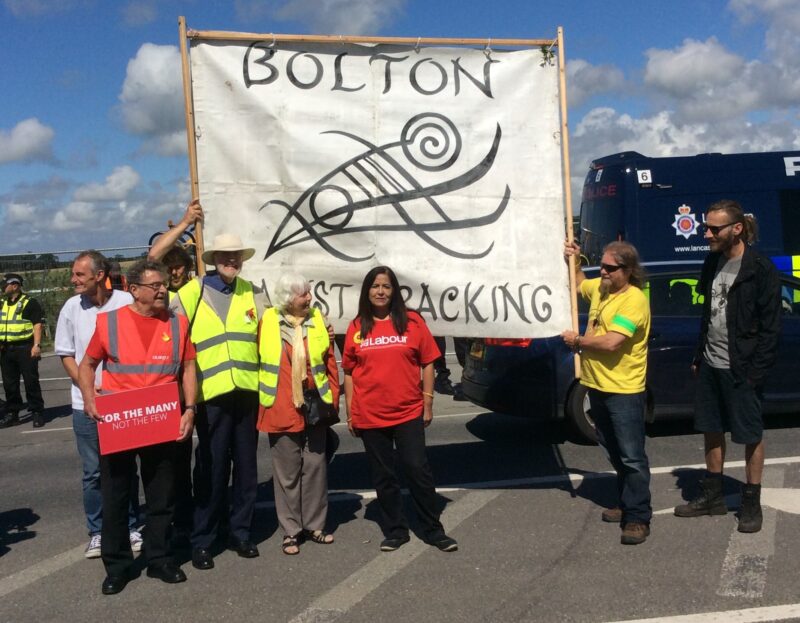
[93,549]
[136,541]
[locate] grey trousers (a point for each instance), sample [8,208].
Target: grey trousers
[300,475]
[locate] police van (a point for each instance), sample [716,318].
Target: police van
[658,205]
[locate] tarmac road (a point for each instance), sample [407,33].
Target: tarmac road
[523,503]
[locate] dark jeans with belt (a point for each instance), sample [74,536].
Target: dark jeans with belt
[409,438]
[226,434]
[117,485]
[619,420]
[16,362]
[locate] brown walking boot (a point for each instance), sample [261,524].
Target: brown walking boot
[634,533]
[612,515]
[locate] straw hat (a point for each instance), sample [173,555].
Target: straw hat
[227,242]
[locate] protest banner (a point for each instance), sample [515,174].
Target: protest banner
[138,417]
[333,155]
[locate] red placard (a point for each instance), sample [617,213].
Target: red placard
[138,417]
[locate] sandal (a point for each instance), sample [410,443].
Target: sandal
[319,536]
[290,545]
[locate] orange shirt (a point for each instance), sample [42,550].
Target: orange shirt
[282,416]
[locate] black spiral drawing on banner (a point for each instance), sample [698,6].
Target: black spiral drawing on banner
[428,142]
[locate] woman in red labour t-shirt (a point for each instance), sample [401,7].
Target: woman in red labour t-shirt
[385,348]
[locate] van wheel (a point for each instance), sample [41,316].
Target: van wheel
[581,425]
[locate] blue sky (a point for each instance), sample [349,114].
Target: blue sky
[92,141]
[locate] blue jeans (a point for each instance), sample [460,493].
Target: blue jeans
[89,449]
[619,419]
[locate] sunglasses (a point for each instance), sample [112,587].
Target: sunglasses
[610,268]
[715,229]
[155,286]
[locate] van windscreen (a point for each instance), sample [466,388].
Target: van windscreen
[602,212]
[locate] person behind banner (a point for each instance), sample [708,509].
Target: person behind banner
[223,311]
[297,368]
[386,346]
[141,345]
[613,354]
[168,251]
[76,325]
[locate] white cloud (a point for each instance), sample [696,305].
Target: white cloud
[693,66]
[77,215]
[27,141]
[347,17]
[152,98]
[20,213]
[139,13]
[116,187]
[585,80]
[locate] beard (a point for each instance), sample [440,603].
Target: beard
[605,287]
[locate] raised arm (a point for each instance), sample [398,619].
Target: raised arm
[194,213]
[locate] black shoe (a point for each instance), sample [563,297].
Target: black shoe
[458,393]
[168,572]
[114,584]
[446,544]
[443,385]
[245,549]
[710,501]
[391,544]
[38,420]
[9,419]
[750,516]
[202,559]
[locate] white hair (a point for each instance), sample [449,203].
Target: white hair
[287,287]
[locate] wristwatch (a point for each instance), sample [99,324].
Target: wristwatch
[192,408]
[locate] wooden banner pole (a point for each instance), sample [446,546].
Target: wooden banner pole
[223,35]
[188,108]
[562,95]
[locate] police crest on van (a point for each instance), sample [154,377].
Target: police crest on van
[685,223]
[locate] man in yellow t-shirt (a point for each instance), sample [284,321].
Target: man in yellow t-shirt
[613,354]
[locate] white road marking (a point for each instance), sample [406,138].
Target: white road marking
[45,430]
[786,612]
[40,570]
[341,598]
[744,570]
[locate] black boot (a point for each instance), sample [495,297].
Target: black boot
[750,516]
[709,502]
[9,419]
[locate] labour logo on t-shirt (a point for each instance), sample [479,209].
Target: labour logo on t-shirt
[357,337]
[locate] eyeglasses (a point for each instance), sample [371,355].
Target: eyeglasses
[610,268]
[715,229]
[155,286]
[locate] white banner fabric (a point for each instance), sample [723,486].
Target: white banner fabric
[442,163]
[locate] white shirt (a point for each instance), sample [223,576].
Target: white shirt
[76,323]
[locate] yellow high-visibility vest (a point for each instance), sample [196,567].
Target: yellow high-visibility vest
[270,347]
[227,353]
[13,327]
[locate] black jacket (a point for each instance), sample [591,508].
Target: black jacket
[753,314]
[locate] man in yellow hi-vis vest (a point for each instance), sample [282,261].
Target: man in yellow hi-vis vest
[223,311]
[20,350]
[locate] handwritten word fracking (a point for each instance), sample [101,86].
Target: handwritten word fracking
[386,175]
[306,71]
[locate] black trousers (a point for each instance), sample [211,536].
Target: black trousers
[184,506]
[117,485]
[226,435]
[409,438]
[16,362]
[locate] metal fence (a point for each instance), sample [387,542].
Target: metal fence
[46,276]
